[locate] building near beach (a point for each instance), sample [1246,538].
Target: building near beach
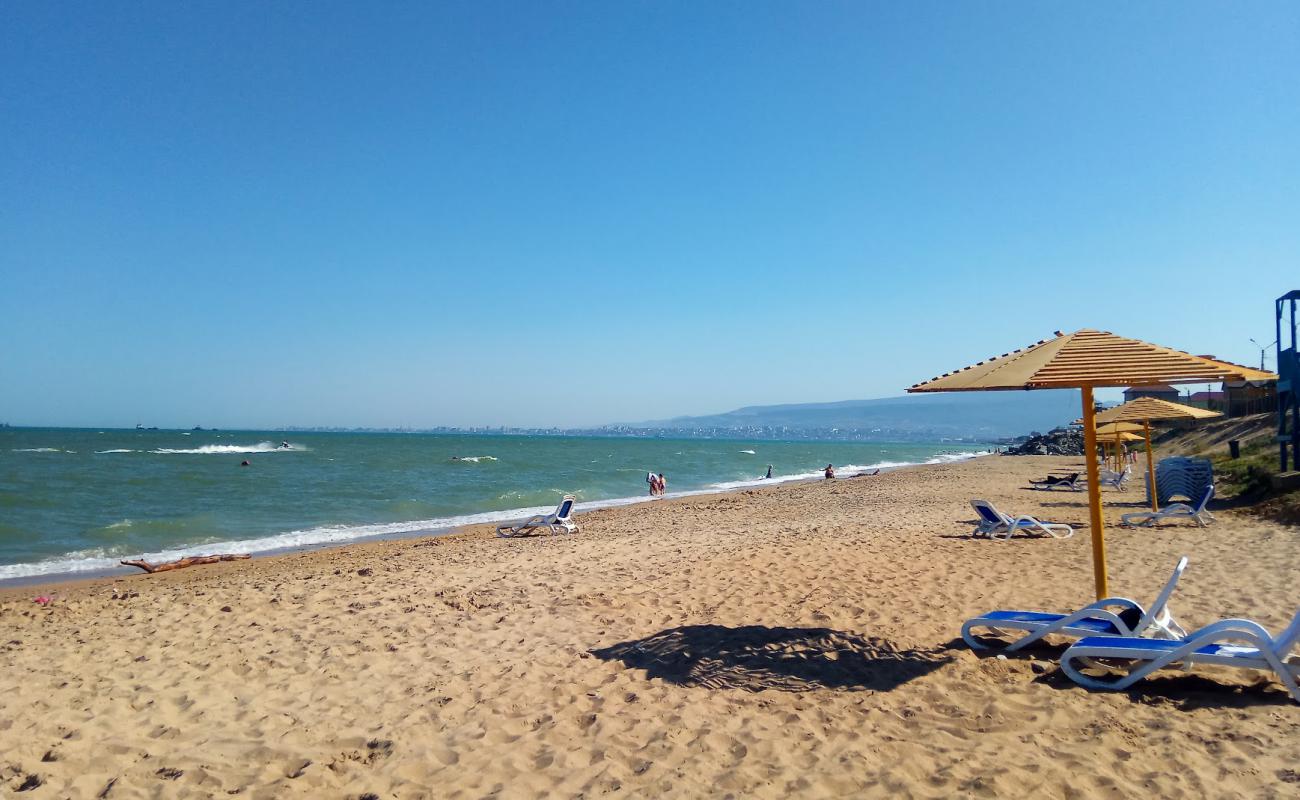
[1160,391]
[1250,397]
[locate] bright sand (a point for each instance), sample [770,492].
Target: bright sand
[797,640]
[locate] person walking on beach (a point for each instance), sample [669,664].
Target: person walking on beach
[830,471]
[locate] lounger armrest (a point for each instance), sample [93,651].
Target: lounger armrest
[1090,612]
[1027,521]
[1242,629]
[1114,601]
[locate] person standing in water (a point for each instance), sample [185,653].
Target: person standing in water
[830,471]
[769,473]
[663,485]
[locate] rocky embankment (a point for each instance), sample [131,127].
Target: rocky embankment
[1059,442]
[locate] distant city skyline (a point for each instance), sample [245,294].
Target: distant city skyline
[252,216]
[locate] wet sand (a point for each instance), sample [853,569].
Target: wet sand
[794,640]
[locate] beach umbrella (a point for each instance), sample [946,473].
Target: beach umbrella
[1115,433]
[1145,409]
[1112,442]
[1085,360]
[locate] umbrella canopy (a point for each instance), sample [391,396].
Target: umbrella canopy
[1087,358]
[1084,360]
[1145,409]
[1116,427]
[1121,436]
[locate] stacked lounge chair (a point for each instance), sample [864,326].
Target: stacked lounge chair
[1180,477]
[1199,512]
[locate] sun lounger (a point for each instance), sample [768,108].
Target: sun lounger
[557,522]
[1115,480]
[1229,643]
[994,524]
[1070,482]
[1174,511]
[1113,616]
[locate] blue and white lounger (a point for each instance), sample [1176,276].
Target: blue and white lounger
[1174,511]
[1229,643]
[1113,616]
[994,524]
[557,522]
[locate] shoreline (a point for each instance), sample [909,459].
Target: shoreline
[798,640]
[472,520]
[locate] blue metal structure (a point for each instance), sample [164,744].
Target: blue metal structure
[1288,385]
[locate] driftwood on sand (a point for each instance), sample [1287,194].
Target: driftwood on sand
[184,562]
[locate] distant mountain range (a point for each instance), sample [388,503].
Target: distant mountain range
[966,415]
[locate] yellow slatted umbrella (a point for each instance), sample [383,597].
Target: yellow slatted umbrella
[1116,427]
[1145,409]
[1085,360]
[1116,433]
[1115,450]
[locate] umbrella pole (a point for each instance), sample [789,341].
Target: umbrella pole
[1151,467]
[1094,494]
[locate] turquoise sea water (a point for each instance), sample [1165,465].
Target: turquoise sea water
[78,500]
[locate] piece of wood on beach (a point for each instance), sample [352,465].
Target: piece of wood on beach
[167,566]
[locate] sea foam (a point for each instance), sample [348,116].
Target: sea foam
[211,449]
[100,560]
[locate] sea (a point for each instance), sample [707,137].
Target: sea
[75,501]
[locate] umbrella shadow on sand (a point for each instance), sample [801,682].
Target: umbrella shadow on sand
[756,658]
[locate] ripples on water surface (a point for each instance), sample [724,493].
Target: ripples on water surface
[76,500]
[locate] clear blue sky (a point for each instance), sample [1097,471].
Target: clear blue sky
[250,214]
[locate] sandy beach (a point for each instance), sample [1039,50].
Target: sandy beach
[799,640]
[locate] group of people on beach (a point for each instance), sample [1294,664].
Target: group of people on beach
[657,484]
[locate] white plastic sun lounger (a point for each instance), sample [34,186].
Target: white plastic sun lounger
[558,522]
[1255,649]
[1174,511]
[1113,616]
[994,524]
[1115,480]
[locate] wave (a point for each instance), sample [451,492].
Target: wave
[474,459]
[119,450]
[102,560]
[36,450]
[843,471]
[209,449]
[750,452]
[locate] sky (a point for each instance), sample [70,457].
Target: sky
[237,214]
